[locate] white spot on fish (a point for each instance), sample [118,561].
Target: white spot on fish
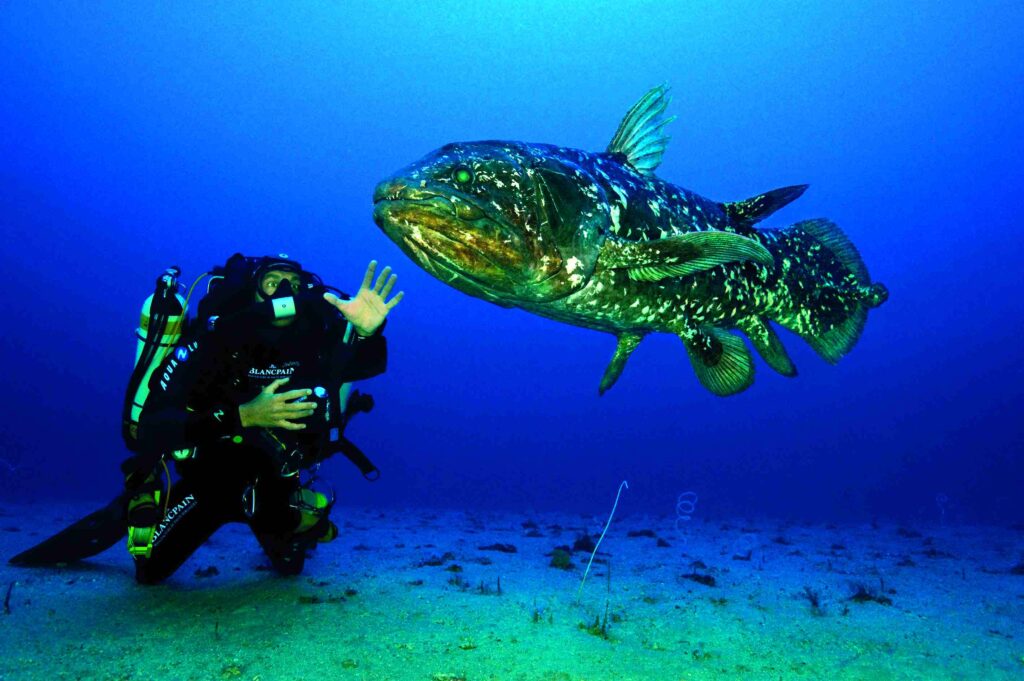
[614,210]
[622,194]
[572,264]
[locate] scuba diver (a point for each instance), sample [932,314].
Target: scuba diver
[246,404]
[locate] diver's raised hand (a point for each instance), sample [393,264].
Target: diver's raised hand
[271,409]
[368,310]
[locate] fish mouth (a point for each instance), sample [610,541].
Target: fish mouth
[397,191]
[408,213]
[430,259]
[431,227]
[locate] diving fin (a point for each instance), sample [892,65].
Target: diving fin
[91,535]
[681,255]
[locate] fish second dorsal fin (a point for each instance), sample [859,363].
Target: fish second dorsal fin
[640,137]
[757,208]
[682,255]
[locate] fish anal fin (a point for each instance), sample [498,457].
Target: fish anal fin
[682,255]
[757,208]
[766,341]
[640,138]
[627,342]
[721,361]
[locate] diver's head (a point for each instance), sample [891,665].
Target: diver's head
[280,280]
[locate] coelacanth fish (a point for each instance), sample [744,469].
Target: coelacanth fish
[596,240]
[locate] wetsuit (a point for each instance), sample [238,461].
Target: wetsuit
[231,476]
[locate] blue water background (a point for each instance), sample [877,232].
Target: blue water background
[137,136]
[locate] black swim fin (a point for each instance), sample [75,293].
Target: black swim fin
[93,534]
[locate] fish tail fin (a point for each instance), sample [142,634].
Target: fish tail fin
[829,286]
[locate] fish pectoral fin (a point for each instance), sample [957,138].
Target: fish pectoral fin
[641,137]
[757,208]
[764,339]
[721,361]
[627,343]
[682,255]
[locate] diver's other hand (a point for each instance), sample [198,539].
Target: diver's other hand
[368,310]
[271,409]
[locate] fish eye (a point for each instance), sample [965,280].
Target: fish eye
[463,175]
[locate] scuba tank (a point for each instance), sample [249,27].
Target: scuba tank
[160,327]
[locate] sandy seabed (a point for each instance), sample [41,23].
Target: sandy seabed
[430,595]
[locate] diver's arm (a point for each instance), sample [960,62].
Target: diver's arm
[271,409]
[365,357]
[167,423]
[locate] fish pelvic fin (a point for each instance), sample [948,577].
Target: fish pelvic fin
[757,208]
[627,342]
[641,135]
[834,319]
[764,339]
[720,359]
[682,255]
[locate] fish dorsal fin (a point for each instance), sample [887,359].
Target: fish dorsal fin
[640,137]
[757,208]
[682,255]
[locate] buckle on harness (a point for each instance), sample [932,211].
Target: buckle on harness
[144,509]
[140,541]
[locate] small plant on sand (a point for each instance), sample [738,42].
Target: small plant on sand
[561,559]
[459,582]
[599,627]
[863,593]
[485,589]
[537,615]
[813,597]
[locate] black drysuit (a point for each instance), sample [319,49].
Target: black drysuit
[230,476]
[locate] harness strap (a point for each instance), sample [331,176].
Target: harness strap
[351,452]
